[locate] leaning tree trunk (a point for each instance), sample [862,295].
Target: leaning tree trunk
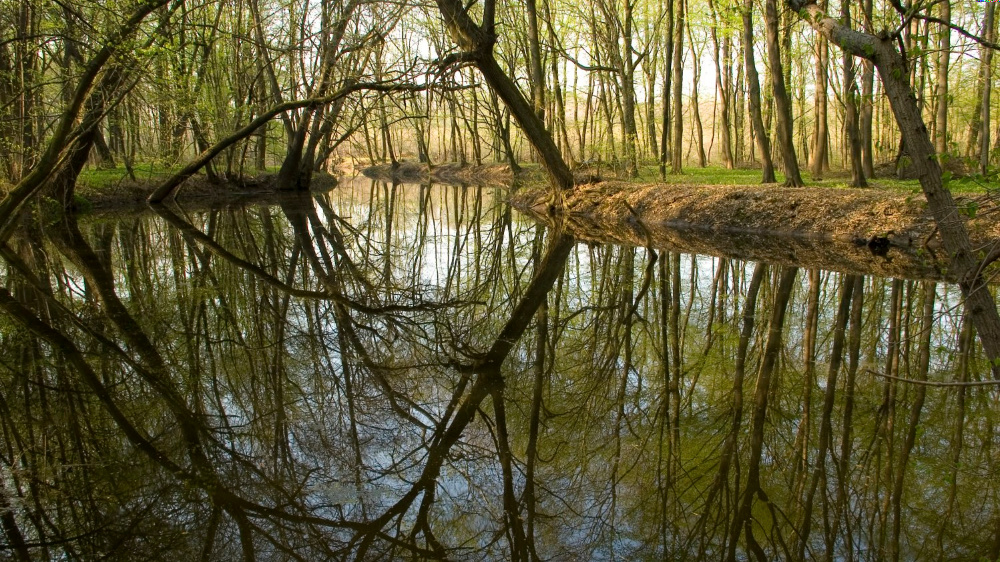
[892,68]
[477,42]
[62,139]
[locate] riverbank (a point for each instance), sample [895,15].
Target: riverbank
[885,231]
[124,194]
[851,230]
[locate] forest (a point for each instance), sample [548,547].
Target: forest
[320,365]
[303,86]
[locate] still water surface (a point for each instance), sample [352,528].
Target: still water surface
[388,372]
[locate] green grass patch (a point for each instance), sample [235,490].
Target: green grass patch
[717,175]
[98,178]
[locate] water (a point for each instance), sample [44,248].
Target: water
[419,372]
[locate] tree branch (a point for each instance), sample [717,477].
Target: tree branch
[933,383]
[168,188]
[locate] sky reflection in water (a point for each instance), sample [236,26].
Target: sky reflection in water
[395,371]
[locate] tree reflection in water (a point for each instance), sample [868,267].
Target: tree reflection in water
[390,371]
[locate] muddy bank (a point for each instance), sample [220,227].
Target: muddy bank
[848,230]
[128,195]
[451,174]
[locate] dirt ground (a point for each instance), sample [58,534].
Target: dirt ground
[850,230]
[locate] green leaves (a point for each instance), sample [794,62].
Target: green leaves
[969,209]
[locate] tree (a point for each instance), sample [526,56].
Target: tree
[723,75]
[782,102]
[941,83]
[69,135]
[476,42]
[979,148]
[678,81]
[820,162]
[851,126]
[753,89]
[668,61]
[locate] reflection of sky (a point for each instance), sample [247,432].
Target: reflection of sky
[590,401]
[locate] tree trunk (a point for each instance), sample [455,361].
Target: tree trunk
[722,87]
[699,132]
[987,74]
[536,74]
[821,133]
[629,128]
[559,119]
[851,112]
[867,105]
[678,79]
[753,87]
[478,41]
[61,138]
[668,58]
[944,53]
[782,103]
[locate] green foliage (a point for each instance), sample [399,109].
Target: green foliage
[104,178]
[969,209]
[82,204]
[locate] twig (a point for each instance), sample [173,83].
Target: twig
[933,383]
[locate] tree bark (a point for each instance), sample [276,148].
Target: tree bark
[851,112]
[821,132]
[753,85]
[867,104]
[629,128]
[678,79]
[668,57]
[61,140]
[987,74]
[722,87]
[699,132]
[782,103]
[944,53]
[535,60]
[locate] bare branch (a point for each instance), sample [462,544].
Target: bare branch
[933,383]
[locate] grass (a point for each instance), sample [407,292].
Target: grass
[717,175]
[98,178]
